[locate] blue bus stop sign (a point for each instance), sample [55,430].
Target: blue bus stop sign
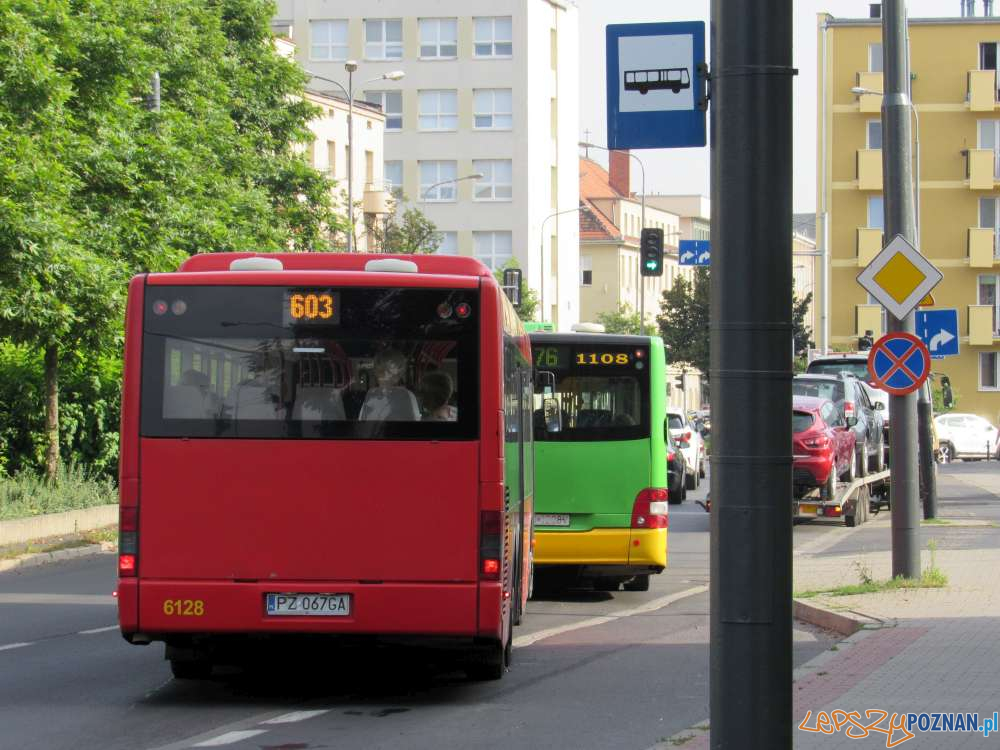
[899,363]
[655,79]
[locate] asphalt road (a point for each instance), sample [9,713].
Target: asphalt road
[591,670]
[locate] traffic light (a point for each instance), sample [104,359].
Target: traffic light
[866,342]
[679,382]
[651,252]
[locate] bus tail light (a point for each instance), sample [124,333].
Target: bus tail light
[128,540]
[490,539]
[650,509]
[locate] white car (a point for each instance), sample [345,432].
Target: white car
[965,436]
[691,444]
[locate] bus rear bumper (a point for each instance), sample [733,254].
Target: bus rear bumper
[168,607]
[613,548]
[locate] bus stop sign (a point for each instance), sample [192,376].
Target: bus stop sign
[899,363]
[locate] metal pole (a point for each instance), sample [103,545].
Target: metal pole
[541,253]
[928,474]
[350,160]
[153,100]
[900,218]
[751,363]
[642,225]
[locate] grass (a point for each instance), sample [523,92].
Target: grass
[28,495]
[936,522]
[932,577]
[55,544]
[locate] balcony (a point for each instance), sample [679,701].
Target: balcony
[870,169]
[869,245]
[982,94]
[869,318]
[376,201]
[981,247]
[979,168]
[872,82]
[981,330]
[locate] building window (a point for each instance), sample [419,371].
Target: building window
[391,103]
[383,38]
[331,158]
[392,173]
[988,295]
[493,37]
[437,181]
[493,109]
[329,40]
[875,57]
[586,270]
[448,244]
[493,248]
[438,38]
[496,183]
[874,134]
[988,380]
[989,137]
[438,110]
[876,212]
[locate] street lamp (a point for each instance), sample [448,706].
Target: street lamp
[543,273]
[642,221]
[426,190]
[350,66]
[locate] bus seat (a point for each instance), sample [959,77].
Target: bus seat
[593,418]
[392,404]
[185,402]
[317,403]
[254,401]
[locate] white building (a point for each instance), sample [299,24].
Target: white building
[490,88]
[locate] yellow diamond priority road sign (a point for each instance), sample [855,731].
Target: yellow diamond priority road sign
[899,277]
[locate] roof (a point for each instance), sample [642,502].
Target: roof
[595,183]
[595,225]
[943,21]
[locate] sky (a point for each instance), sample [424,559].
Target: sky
[686,170]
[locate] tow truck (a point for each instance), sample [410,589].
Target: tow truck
[853,501]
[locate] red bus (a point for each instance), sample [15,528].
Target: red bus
[322,444]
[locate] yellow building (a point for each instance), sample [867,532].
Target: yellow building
[955,92]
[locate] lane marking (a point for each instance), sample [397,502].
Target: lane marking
[103,599]
[650,606]
[295,716]
[230,737]
[92,631]
[11,646]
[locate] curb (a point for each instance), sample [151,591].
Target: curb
[846,623]
[35,559]
[22,530]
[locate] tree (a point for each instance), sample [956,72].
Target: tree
[529,300]
[683,322]
[412,234]
[801,333]
[625,320]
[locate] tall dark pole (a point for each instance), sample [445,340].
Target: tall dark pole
[751,371]
[928,478]
[900,218]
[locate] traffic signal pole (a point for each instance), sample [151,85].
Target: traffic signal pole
[900,218]
[751,373]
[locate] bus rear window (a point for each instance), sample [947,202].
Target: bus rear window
[274,362]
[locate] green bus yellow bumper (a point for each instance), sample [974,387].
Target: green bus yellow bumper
[613,547]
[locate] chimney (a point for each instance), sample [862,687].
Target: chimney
[618,166]
[875,10]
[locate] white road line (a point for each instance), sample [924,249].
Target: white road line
[295,716]
[92,631]
[11,646]
[230,737]
[651,606]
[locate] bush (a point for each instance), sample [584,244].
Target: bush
[89,408]
[30,495]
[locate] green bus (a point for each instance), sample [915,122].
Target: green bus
[600,460]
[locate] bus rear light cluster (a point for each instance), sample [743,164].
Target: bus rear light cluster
[650,510]
[490,542]
[128,540]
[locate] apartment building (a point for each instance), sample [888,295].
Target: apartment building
[481,131]
[957,122]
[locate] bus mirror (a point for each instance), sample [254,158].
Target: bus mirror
[553,415]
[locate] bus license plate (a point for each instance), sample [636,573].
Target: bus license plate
[552,519]
[309,605]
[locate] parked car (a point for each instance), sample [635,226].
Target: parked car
[676,488]
[856,364]
[865,418]
[823,446]
[691,444]
[967,436]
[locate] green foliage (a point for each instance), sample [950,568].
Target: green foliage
[30,495]
[625,320]
[529,300]
[414,234]
[683,321]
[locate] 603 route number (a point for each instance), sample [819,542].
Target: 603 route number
[184,607]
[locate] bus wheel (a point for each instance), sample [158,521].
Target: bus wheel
[491,663]
[639,583]
[185,669]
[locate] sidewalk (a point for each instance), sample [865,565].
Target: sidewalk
[923,650]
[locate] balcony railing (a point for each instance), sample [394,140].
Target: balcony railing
[982,94]
[870,242]
[872,82]
[982,247]
[870,168]
[980,166]
[982,325]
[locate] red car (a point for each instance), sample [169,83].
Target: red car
[822,445]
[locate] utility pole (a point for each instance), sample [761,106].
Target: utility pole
[751,363]
[928,478]
[900,218]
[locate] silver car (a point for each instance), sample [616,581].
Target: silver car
[691,444]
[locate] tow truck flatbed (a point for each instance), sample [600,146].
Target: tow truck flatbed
[853,501]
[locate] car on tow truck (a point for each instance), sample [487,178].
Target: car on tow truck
[822,446]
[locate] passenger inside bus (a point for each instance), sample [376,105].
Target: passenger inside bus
[436,389]
[389,401]
[191,398]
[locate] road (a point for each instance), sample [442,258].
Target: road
[591,670]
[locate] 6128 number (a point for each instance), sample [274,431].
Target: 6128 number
[184,607]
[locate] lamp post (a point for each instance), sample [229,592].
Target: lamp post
[426,190]
[350,66]
[541,254]
[641,287]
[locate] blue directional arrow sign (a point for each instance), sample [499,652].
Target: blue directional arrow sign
[938,329]
[694,253]
[656,77]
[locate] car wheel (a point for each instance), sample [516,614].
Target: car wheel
[690,480]
[862,462]
[946,453]
[880,456]
[848,476]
